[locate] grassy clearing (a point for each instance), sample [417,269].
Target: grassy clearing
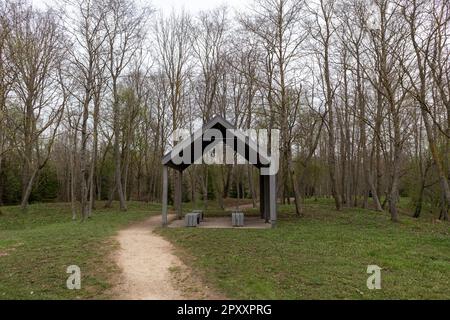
[36,248]
[323,256]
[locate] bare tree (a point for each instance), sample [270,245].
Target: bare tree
[6,82]
[174,40]
[323,32]
[125,31]
[352,36]
[423,30]
[276,24]
[36,52]
[84,22]
[388,40]
[211,88]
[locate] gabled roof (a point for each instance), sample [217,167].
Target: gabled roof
[221,124]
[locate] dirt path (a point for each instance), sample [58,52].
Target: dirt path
[150,270]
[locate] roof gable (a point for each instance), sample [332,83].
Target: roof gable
[201,137]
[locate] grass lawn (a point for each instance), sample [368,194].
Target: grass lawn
[36,247]
[323,256]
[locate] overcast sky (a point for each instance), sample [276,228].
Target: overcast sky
[197,5]
[193,6]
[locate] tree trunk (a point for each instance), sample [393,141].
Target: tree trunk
[443,180]
[205,187]
[1,178]
[28,152]
[295,188]
[251,184]
[73,176]
[83,158]
[331,129]
[117,155]
[28,189]
[94,155]
[395,172]
[418,208]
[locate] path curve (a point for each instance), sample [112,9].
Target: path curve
[150,269]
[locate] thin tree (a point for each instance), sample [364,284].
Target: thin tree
[125,29]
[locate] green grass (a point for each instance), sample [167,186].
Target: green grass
[322,256]
[36,247]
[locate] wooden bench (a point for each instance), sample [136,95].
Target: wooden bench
[237,219]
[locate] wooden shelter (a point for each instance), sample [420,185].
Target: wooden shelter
[240,144]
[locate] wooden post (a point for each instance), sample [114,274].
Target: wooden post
[273,200]
[164,195]
[262,199]
[179,198]
[266,199]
